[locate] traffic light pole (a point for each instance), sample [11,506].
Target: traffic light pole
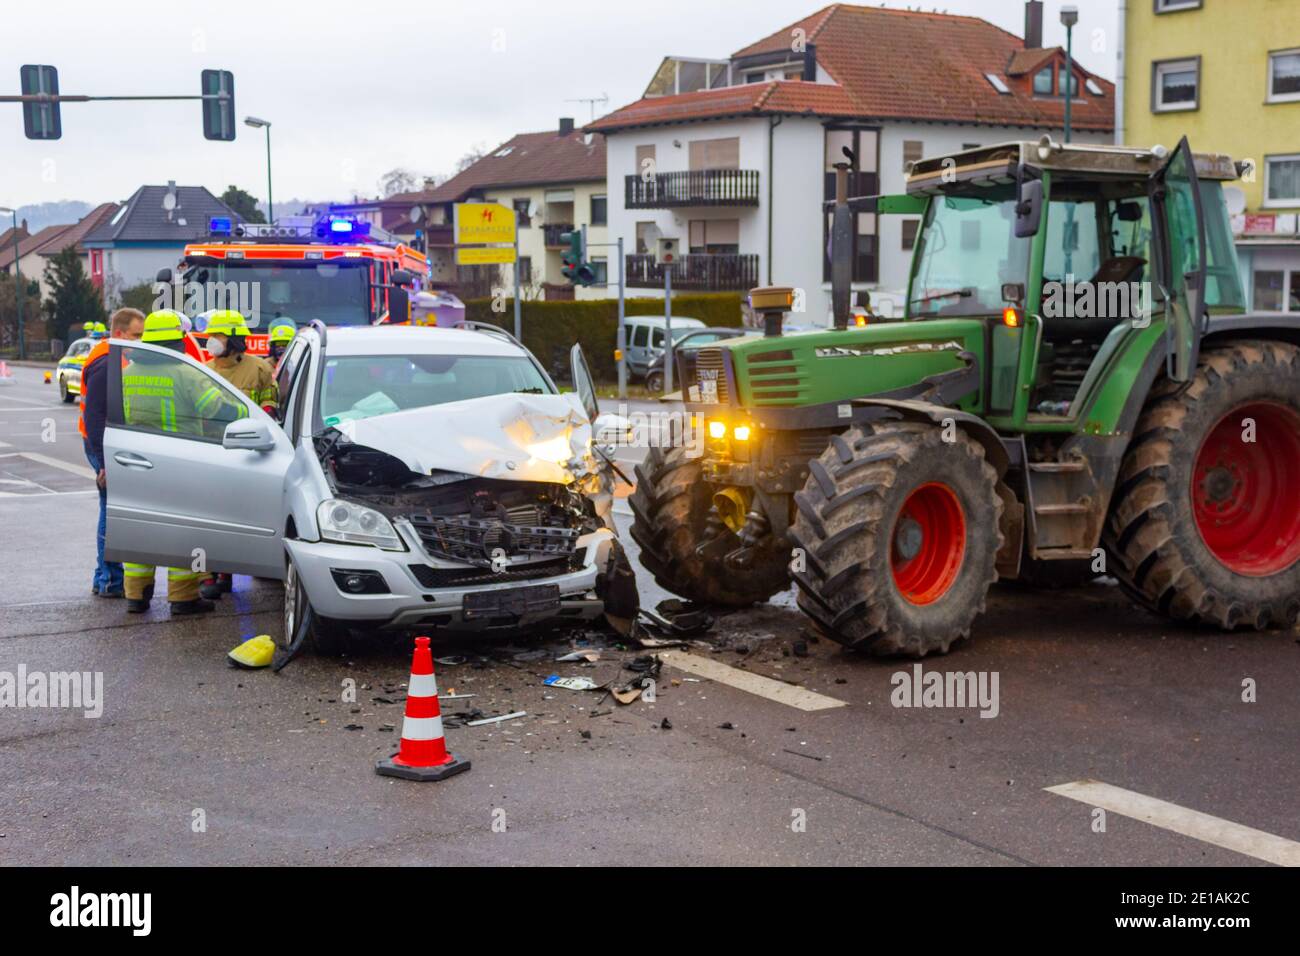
[621,342]
[668,328]
[519,327]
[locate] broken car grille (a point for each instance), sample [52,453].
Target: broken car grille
[430,577]
[478,540]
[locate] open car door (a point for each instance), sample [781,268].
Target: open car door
[195,470]
[1176,193]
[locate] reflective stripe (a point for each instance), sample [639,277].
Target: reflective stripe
[168,415]
[421,728]
[422,685]
[210,398]
[138,570]
[176,574]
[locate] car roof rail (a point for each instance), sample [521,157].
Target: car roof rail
[319,326]
[489,329]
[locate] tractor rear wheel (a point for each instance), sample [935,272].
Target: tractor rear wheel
[900,535]
[671,519]
[1205,521]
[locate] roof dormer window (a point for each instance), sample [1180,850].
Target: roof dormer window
[1043,82]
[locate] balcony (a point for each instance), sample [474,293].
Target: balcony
[696,272]
[551,233]
[696,187]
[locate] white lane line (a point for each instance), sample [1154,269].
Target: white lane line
[5,444]
[23,401]
[81,470]
[775,690]
[45,494]
[1170,816]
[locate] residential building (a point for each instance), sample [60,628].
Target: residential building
[735,156]
[92,263]
[147,233]
[555,183]
[30,262]
[1226,74]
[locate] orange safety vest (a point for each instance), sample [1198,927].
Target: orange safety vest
[96,353]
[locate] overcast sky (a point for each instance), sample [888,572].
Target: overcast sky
[355,89]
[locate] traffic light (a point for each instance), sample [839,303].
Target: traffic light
[40,120]
[219,114]
[574,267]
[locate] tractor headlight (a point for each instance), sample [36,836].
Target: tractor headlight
[740,433]
[717,429]
[350,523]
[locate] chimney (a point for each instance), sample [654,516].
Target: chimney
[566,125]
[810,62]
[1034,25]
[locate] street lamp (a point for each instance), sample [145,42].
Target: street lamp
[18,287]
[1069,17]
[256,123]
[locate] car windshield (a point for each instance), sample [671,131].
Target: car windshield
[336,293]
[966,252]
[365,386]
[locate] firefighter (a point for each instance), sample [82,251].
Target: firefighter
[227,344]
[279,335]
[155,394]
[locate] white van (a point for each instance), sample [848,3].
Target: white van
[645,338]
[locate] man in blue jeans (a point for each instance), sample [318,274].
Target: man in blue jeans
[125,324]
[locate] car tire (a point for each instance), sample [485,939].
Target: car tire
[302,624]
[654,382]
[64,394]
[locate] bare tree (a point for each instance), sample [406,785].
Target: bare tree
[396,181]
[475,153]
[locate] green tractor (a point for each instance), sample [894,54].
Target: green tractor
[1075,388]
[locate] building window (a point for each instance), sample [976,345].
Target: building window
[642,244]
[1173,6]
[525,270]
[1175,85]
[910,227]
[599,210]
[645,160]
[601,268]
[1282,180]
[715,237]
[714,153]
[1043,82]
[1074,83]
[1268,291]
[913,150]
[1284,76]
[521,213]
[864,180]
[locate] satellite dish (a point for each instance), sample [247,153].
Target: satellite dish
[1235,197]
[416,213]
[532,208]
[169,201]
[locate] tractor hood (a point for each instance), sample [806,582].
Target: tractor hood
[810,368]
[517,437]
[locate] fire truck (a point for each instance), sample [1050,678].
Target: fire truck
[329,267]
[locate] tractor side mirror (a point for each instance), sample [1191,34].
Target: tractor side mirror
[402,277]
[1029,208]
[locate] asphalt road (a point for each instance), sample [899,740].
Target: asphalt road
[193,762]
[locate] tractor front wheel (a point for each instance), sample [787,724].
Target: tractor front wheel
[1205,521]
[899,531]
[671,518]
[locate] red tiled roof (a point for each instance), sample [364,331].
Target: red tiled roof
[100,214]
[888,64]
[1026,61]
[49,236]
[530,159]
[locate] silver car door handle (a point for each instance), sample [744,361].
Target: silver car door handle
[132,461]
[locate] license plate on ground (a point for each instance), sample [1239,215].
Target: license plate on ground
[512,602]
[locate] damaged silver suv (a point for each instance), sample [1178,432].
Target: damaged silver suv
[418,478]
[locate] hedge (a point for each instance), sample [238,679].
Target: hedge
[551,328]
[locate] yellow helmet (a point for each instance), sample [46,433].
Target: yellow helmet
[282,330]
[162,326]
[254,652]
[226,322]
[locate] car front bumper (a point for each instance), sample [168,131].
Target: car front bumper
[410,604]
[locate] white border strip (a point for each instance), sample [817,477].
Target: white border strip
[1169,816]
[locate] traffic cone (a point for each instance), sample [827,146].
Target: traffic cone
[49,377]
[422,754]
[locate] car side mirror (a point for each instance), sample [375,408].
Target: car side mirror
[1029,208]
[249,435]
[611,429]
[164,275]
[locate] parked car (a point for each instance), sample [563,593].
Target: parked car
[645,338]
[418,478]
[68,371]
[693,339]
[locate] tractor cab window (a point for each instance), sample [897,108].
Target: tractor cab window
[967,251]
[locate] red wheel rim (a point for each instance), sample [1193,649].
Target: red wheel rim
[928,543]
[1245,498]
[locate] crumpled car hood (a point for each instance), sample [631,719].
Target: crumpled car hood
[519,437]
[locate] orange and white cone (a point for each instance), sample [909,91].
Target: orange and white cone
[422,754]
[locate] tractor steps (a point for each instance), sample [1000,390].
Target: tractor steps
[1061,509]
[1056,467]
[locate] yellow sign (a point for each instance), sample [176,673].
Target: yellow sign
[484,255]
[484,222]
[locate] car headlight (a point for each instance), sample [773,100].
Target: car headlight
[350,523]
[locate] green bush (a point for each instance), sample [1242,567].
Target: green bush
[551,328]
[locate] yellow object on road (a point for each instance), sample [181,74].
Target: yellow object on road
[254,652]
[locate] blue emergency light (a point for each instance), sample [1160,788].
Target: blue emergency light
[220,226]
[342,229]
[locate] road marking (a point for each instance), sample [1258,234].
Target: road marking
[81,470]
[5,444]
[23,401]
[45,494]
[776,690]
[1170,816]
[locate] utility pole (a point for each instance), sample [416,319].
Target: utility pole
[1069,17]
[18,289]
